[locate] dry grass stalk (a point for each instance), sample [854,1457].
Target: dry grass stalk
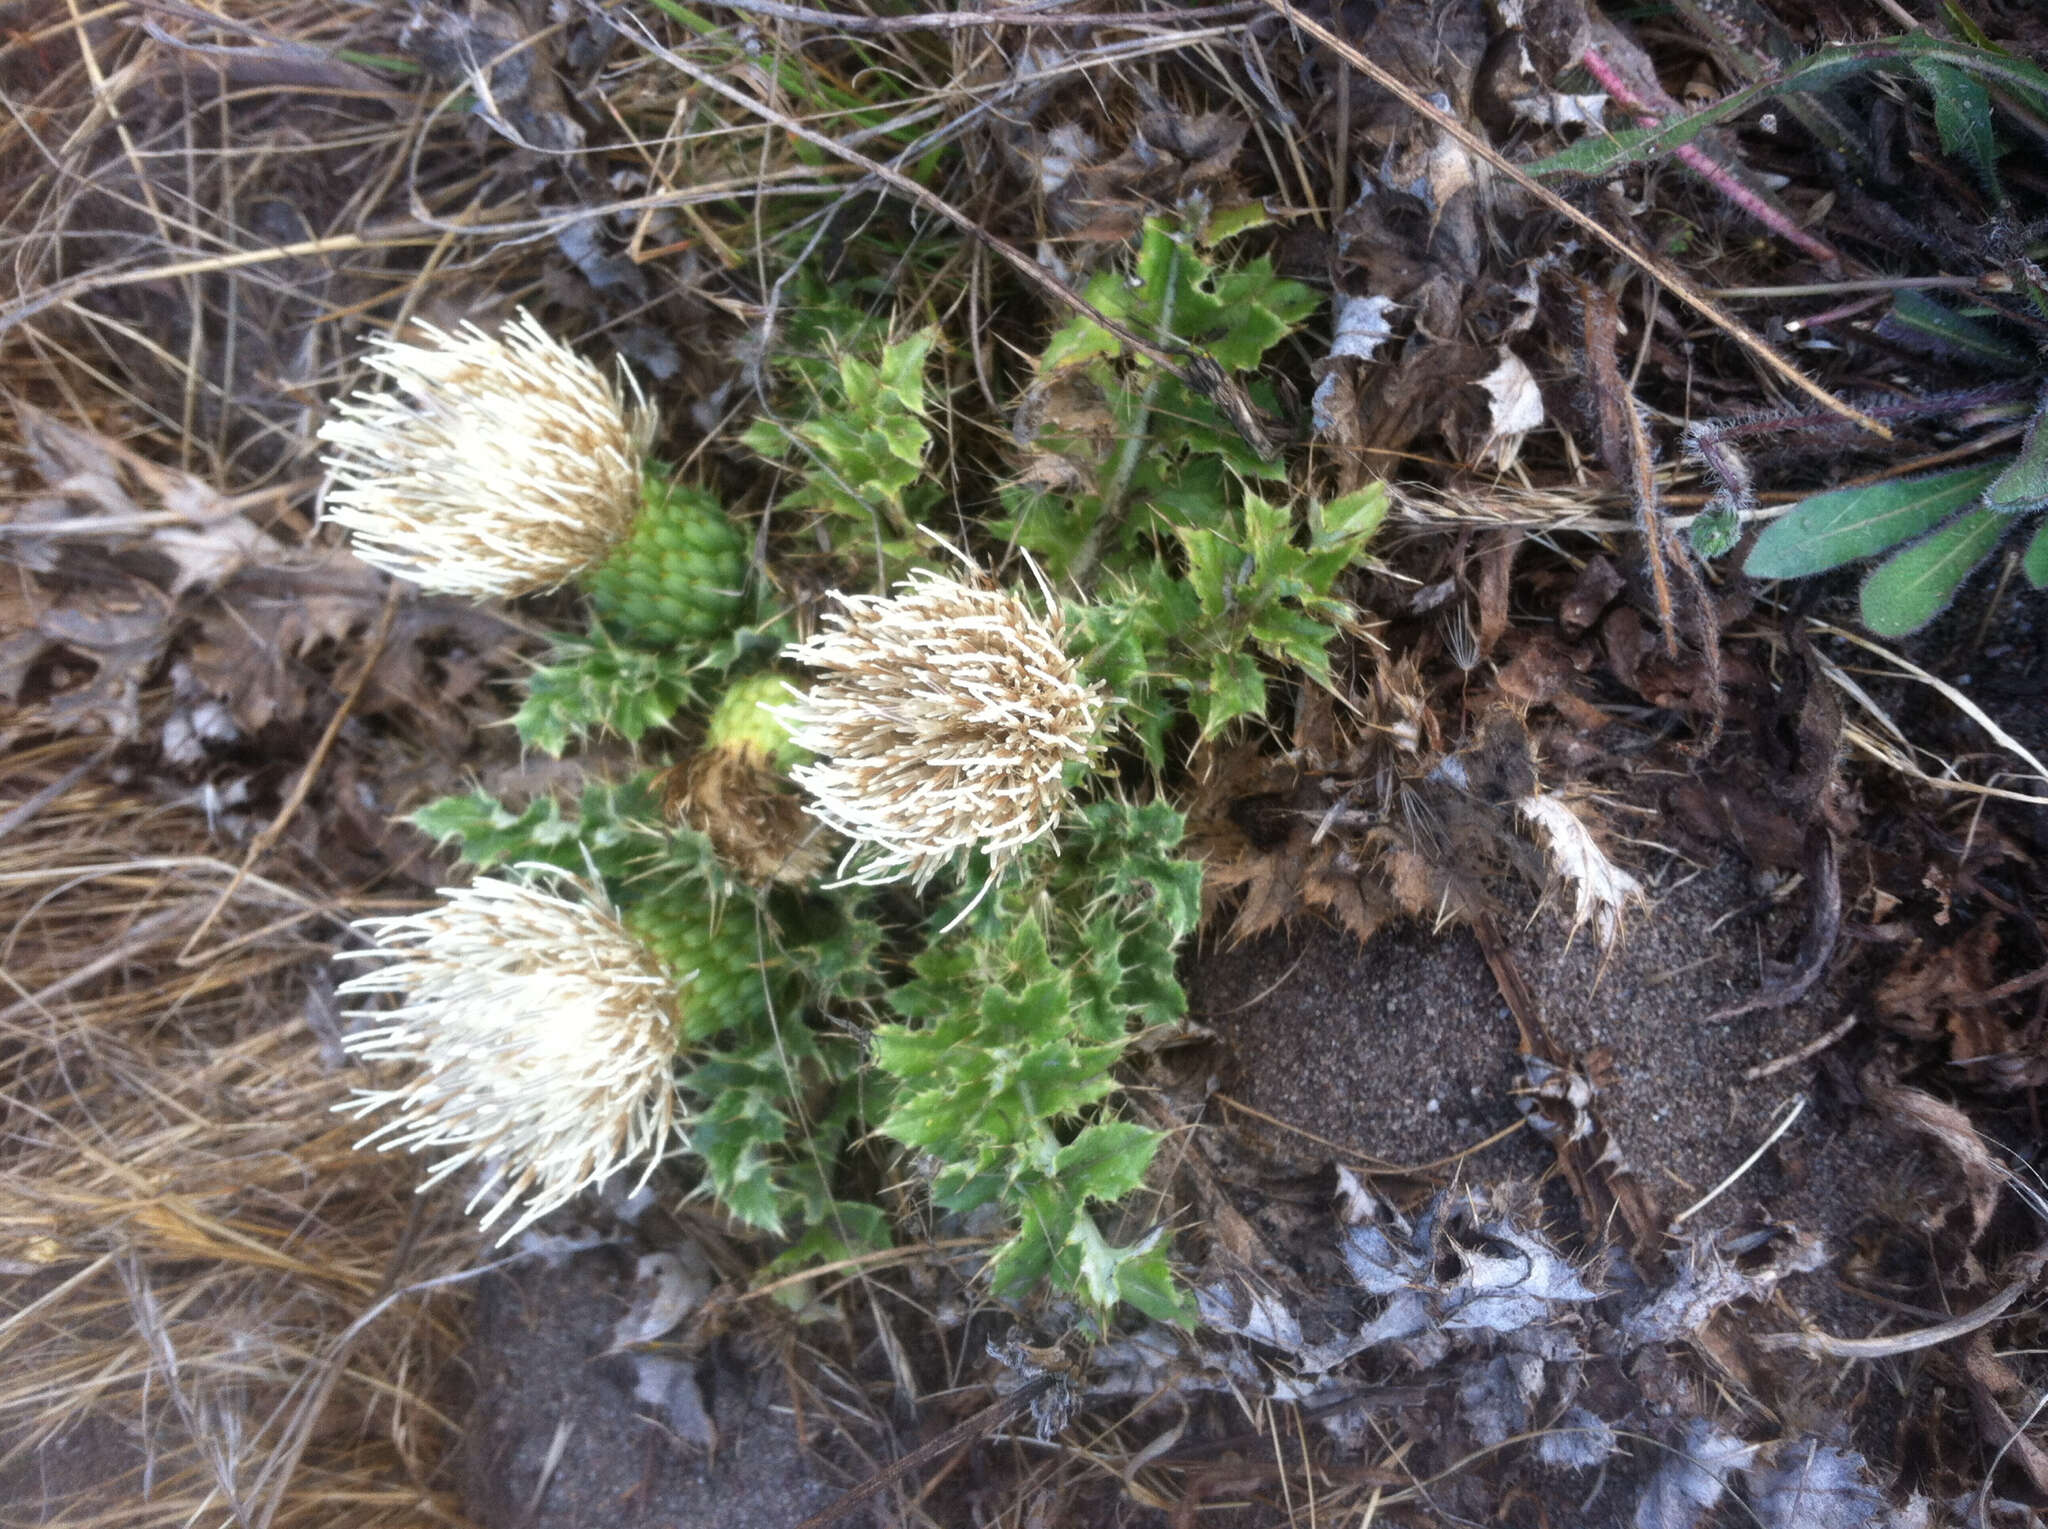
[188,1241]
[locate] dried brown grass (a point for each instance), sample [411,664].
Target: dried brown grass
[211,1311]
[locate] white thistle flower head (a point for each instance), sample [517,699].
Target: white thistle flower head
[491,465]
[544,1034]
[944,722]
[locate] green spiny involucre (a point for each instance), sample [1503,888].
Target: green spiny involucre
[748,720]
[683,929]
[679,576]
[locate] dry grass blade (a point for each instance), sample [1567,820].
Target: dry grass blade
[188,1242]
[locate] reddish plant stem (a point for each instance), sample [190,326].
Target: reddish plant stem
[1709,169]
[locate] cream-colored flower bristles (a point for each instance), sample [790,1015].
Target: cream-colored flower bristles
[544,1035]
[944,721]
[491,465]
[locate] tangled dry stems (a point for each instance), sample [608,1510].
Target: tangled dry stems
[189,1253]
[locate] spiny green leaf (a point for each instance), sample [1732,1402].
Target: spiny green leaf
[616,828]
[1295,637]
[1913,586]
[1097,1265]
[1128,851]
[1350,519]
[594,685]
[1106,1161]
[1831,529]
[1229,222]
[1145,1279]
[847,1229]
[1268,528]
[1236,689]
[1214,568]
[1042,1232]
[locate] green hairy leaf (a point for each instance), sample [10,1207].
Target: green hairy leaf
[1912,587]
[1962,115]
[1935,326]
[1958,67]
[2023,485]
[1832,529]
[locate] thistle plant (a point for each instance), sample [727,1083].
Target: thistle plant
[945,722]
[784,1030]
[543,1032]
[494,466]
[769,1098]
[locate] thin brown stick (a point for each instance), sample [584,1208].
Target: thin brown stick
[1649,264]
[2033,979]
[1379,1164]
[1806,1053]
[1828,1346]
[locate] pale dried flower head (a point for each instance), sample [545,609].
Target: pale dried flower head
[491,465]
[944,722]
[544,1034]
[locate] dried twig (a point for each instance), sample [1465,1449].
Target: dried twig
[1008,16]
[1828,1346]
[1806,1053]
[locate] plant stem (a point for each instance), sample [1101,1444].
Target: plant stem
[1709,169]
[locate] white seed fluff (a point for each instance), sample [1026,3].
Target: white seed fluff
[544,1034]
[1601,890]
[944,722]
[491,465]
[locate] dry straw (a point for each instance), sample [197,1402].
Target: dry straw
[544,1036]
[219,1312]
[944,722]
[491,466]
